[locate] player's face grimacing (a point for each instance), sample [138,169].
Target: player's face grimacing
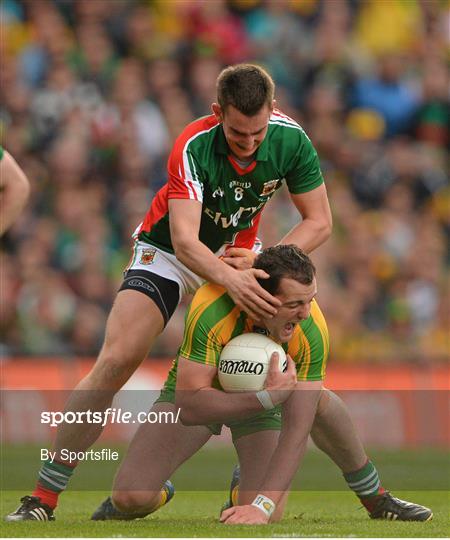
[295,307]
[244,134]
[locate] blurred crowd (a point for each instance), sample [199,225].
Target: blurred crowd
[94,92]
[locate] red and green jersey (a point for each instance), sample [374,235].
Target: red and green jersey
[201,168]
[213,319]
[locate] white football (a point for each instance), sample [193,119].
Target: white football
[244,362]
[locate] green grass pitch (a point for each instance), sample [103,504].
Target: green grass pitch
[194,514]
[329,511]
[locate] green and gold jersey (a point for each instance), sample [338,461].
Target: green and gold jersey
[213,319]
[201,168]
[1,152]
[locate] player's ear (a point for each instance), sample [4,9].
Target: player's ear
[274,104]
[217,111]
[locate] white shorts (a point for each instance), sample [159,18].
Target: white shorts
[166,265]
[162,277]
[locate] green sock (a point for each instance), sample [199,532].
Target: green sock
[365,482]
[55,476]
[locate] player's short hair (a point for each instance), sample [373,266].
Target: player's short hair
[245,86]
[284,261]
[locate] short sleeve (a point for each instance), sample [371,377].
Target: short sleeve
[200,344]
[309,347]
[304,174]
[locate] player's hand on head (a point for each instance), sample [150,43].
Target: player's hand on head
[247,515]
[239,258]
[248,294]
[280,384]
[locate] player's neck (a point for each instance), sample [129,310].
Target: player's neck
[259,328]
[243,163]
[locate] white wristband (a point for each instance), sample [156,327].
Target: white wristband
[265,504]
[265,399]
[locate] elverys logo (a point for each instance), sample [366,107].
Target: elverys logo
[233,367]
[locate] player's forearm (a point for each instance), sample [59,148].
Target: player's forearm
[283,466]
[208,405]
[202,261]
[298,416]
[309,234]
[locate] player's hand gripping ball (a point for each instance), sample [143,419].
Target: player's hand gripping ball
[244,362]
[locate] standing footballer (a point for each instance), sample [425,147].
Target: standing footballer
[222,171]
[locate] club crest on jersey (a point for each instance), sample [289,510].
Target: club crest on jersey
[218,193]
[148,256]
[269,187]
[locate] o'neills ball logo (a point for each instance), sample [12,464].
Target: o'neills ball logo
[233,367]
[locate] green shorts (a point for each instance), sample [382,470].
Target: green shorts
[260,422]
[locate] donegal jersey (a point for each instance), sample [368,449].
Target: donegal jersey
[213,319]
[201,168]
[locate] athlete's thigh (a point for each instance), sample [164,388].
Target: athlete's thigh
[157,450]
[133,314]
[133,325]
[143,306]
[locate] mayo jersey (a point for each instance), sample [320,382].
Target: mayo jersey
[201,168]
[213,319]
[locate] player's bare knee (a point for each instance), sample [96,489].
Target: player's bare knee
[134,501]
[113,369]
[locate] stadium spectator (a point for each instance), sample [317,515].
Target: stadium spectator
[388,94]
[319,51]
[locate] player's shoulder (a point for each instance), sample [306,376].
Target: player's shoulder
[197,139]
[307,329]
[210,305]
[283,123]
[207,295]
[317,315]
[201,127]
[286,133]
